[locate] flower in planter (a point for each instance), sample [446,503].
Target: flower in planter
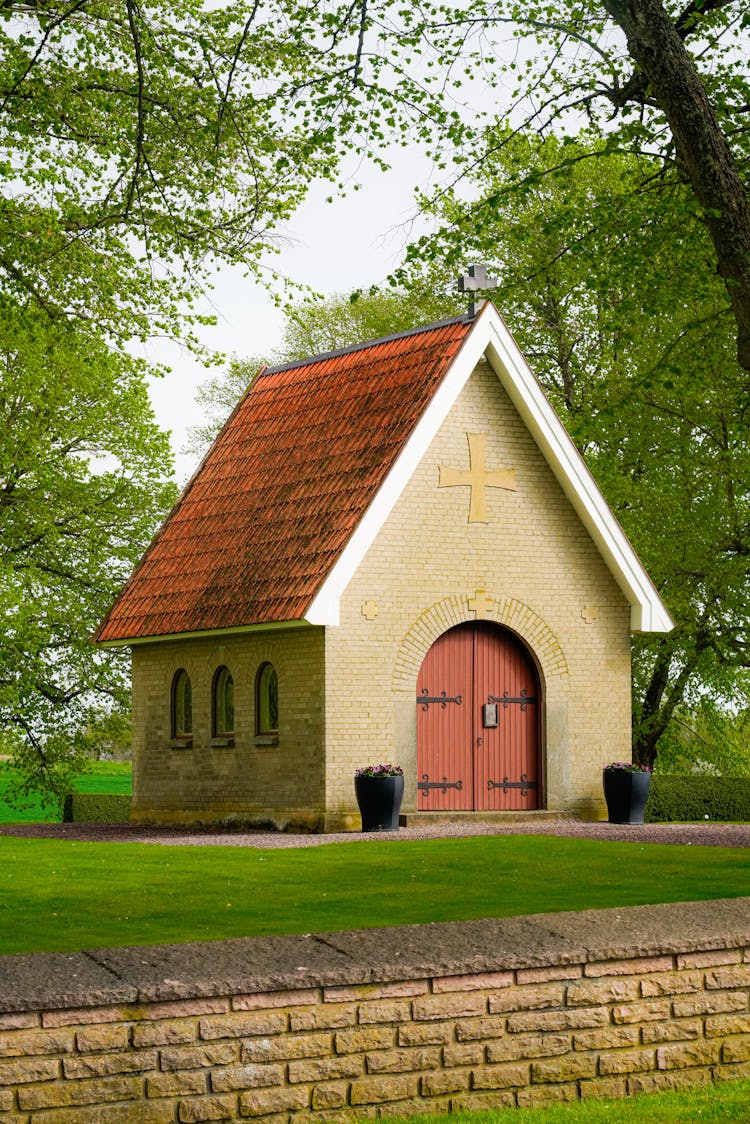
[379,771]
[626,767]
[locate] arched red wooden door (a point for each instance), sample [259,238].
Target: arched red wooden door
[477,722]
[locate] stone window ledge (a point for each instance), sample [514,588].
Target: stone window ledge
[181,743]
[266,739]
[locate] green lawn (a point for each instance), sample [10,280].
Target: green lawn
[63,895]
[717,1104]
[105,776]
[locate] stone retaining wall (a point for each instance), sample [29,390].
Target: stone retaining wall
[347,1026]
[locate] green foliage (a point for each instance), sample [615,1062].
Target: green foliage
[58,896]
[83,482]
[689,799]
[103,807]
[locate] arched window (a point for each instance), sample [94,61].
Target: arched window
[182,708]
[222,709]
[267,701]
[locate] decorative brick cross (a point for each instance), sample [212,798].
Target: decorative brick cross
[477,477]
[589,614]
[480,604]
[369,610]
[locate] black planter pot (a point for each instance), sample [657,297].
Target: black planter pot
[626,794]
[379,800]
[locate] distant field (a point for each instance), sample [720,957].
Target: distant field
[105,776]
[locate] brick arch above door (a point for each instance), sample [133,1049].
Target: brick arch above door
[453,610]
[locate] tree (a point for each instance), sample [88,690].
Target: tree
[313,326]
[610,293]
[83,481]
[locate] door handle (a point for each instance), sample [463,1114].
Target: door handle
[480,740]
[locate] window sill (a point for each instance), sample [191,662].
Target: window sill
[181,743]
[266,739]
[222,743]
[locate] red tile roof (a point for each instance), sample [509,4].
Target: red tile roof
[275,501]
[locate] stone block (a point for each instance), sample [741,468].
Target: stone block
[626,1061]
[487,1026]
[108,1036]
[323,1017]
[192,1081]
[288,1046]
[504,1076]
[676,1030]
[425,1034]
[406,1060]
[709,1003]
[672,983]
[442,1081]
[197,1057]
[399,989]
[736,1050]
[20,1021]
[27,1043]
[530,998]
[732,1072]
[85,1016]
[140,1112]
[325,1069]
[517,1046]
[578,1019]
[736,975]
[482,981]
[206,1108]
[249,1076]
[546,975]
[378,1090]
[28,1070]
[592,993]
[541,1095]
[660,1082]
[330,1094]
[266,1000]
[721,1025]
[607,1037]
[241,1025]
[481,1102]
[56,1094]
[101,1065]
[648,1010]
[384,1011]
[639,965]
[165,1032]
[264,1102]
[607,1087]
[708,959]
[449,1006]
[568,1068]
[469,1053]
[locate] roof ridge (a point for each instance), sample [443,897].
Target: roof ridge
[463,318]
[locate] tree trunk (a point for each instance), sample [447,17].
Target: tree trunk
[657,49]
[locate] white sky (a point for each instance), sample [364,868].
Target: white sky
[354,241]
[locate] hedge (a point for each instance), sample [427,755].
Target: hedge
[96,807]
[722,799]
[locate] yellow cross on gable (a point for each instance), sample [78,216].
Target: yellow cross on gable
[477,477]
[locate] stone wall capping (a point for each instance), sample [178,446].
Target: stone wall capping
[163,973]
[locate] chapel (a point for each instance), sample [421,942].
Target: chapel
[391,553]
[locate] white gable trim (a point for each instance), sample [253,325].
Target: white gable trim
[489,336]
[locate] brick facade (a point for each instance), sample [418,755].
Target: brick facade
[527,1029]
[347,692]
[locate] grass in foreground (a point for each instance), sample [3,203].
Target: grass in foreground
[58,895]
[105,776]
[717,1104]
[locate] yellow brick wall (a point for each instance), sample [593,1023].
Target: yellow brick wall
[247,782]
[429,1044]
[541,572]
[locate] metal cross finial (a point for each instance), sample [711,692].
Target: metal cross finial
[476,278]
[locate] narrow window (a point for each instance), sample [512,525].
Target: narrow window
[223,705]
[267,701]
[182,709]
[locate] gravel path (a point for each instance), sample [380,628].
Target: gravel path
[697,834]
